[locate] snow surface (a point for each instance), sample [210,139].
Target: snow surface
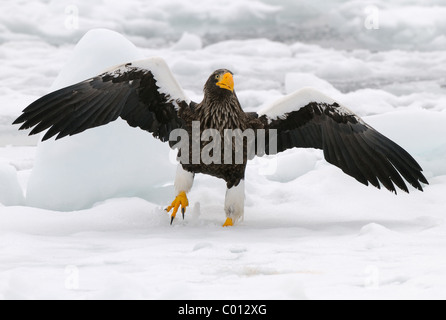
[92,223]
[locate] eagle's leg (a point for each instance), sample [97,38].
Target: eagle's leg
[183,183]
[235,204]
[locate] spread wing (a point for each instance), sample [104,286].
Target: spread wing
[309,119]
[144,93]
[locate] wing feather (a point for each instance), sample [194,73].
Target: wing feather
[144,93]
[309,119]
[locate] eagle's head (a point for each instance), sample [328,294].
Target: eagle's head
[220,84]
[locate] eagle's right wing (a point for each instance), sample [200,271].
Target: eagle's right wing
[144,93]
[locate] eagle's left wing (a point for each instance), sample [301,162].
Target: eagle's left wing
[309,119]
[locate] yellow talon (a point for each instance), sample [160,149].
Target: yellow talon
[180,200]
[228,223]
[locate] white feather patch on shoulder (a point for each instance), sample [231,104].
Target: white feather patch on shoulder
[297,100]
[164,78]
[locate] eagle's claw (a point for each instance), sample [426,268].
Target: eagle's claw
[228,223]
[180,200]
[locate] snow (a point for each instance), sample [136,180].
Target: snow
[188,42]
[83,218]
[297,81]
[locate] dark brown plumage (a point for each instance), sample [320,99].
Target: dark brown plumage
[219,110]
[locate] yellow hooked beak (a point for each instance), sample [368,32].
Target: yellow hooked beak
[226,81]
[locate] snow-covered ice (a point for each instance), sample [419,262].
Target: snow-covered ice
[11,193]
[79,171]
[83,218]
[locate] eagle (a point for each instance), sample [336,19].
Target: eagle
[146,95]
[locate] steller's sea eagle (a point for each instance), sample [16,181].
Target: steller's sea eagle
[146,95]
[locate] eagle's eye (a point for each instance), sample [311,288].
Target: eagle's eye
[218,77]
